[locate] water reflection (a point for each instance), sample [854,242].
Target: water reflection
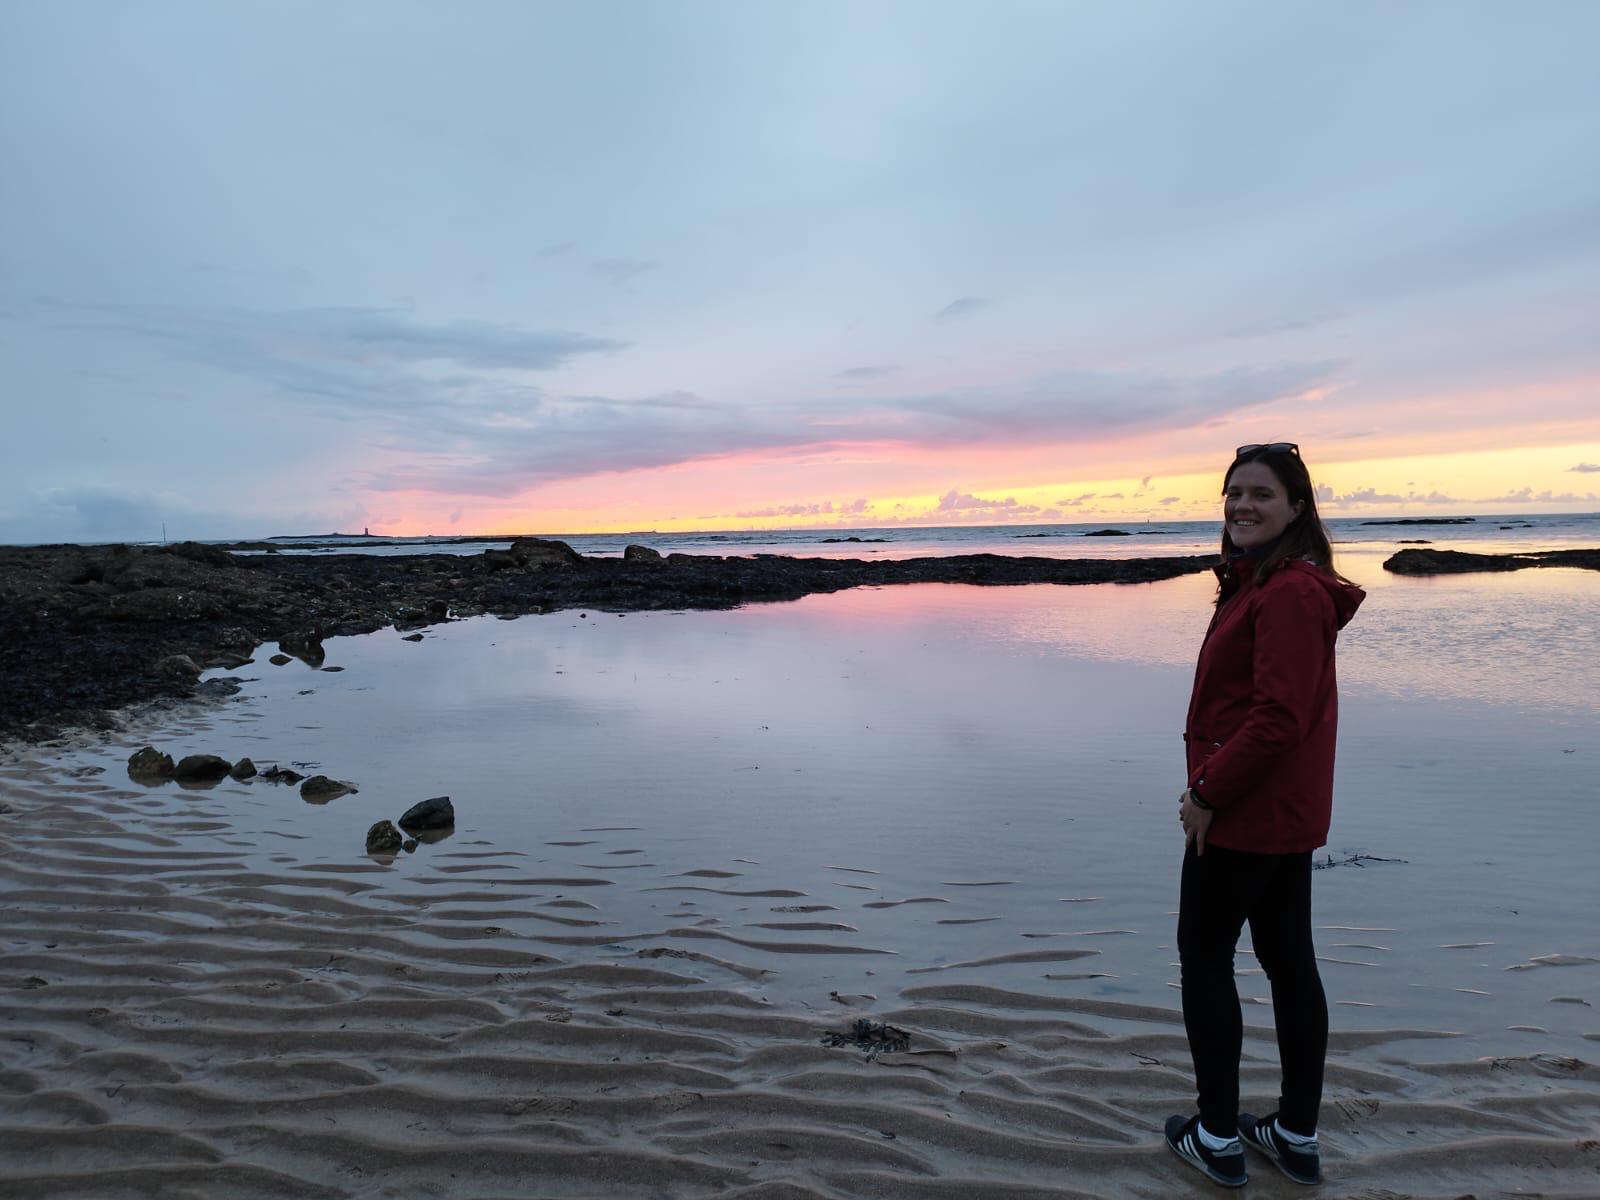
[934,771]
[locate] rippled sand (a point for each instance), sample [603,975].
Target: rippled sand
[194,1010]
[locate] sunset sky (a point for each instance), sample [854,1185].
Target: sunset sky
[294,267]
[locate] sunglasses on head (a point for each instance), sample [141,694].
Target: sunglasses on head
[1280,447]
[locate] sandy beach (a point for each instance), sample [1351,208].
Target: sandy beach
[636,601]
[212,992]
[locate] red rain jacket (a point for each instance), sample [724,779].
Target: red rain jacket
[1265,710]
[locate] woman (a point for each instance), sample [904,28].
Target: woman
[1260,735]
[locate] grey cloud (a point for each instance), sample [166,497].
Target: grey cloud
[1585,468]
[554,250]
[1171,499]
[248,339]
[1076,501]
[481,430]
[477,445]
[1270,327]
[869,372]
[617,271]
[961,306]
[1071,405]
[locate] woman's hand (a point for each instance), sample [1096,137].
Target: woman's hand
[1195,821]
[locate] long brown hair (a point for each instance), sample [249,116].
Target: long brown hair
[1306,537]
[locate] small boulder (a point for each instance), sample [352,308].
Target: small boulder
[641,554]
[411,846]
[437,813]
[383,838]
[236,640]
[319,789]
[219,689]
[243,769]
[412,637]
[202,767]
[544,552]
[178,666]
[276,774]
[278,660]
[150,763]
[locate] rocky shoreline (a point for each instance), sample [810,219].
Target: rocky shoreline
[1458,562]
[87,630]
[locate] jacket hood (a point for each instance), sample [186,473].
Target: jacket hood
[1346,597]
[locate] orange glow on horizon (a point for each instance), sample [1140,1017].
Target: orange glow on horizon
[724,495]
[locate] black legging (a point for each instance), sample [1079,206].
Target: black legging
[1221,890]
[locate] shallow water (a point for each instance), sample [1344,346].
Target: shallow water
[955,774]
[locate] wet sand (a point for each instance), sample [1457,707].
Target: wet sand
[183,1019]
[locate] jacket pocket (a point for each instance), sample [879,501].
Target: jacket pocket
[1200,752]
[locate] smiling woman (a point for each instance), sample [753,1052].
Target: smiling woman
[1260,733]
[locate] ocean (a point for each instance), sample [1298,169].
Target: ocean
[1483,534]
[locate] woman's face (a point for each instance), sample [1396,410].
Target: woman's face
[1255,506]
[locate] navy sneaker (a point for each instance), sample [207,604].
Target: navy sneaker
[1303,1164]
[1225,1167]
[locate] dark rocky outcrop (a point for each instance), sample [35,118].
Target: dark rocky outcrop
[384,838]
[202,767]
[179,665]
[243,769]
[1108,533]
[319,789]
[641,554]
[276,774]
[545,552]
[1457,562]
[150,763]
[436,813]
